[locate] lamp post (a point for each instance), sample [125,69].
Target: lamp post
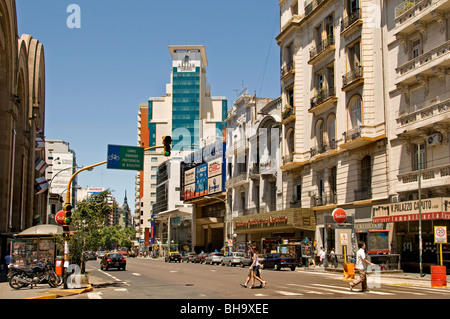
[226,219]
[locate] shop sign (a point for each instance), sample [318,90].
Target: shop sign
[339,215]
[261,222]
[431,209]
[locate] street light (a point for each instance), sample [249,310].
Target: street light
[50,185]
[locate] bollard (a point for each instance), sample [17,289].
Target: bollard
[349,271]
[438,276]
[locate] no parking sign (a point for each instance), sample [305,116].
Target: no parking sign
[440,234]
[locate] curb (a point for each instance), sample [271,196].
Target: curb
[64,293]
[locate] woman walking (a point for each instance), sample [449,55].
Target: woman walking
[254,267]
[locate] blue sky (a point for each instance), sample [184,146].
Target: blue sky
[97,75]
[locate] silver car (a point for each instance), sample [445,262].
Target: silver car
[235,259]
[214,258]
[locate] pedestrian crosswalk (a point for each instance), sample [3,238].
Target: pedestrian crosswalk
[342,289]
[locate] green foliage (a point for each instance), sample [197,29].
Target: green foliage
[90,223]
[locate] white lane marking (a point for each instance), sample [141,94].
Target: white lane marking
[136,274]
[370,291]
[94,295]
[288,293]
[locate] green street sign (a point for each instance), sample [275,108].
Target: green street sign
[125,157]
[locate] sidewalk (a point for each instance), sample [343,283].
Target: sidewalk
[41,291]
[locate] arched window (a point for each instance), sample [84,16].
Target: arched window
[290,141]
[320,131]
[355,111]
[331,131]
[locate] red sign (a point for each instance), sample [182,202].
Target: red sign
[339,215]
[60,217]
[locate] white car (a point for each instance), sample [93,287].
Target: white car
[214,258]
[235,259]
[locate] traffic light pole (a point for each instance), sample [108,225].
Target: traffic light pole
[66,231]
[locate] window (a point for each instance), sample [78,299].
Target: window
[331,131]
[366,173]
[415,158]
[153,176]
[355,111]
[416,48]
[290,96]
[154,168]
[333,184]
[290,141]
[154,159]
[320,131]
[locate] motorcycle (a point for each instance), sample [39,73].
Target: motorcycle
[19,277]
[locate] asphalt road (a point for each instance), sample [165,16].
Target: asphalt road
[155,279]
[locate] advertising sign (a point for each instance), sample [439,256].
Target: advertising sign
[201,180]
[339,215]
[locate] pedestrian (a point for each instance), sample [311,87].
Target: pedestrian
[360,267]
[249,277]
[322,256]
[254,267]
[7,261]
[333,258]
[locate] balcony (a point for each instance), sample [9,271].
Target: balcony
[362,135]
[351,22]
[352,79]
[253,172]
[426,114]
[410,12]
[428,64]
[313,5]
[430,177]
[288,115]
[239,179]
[325,147]
[320,51]
[325,200]
[287,70]
[363,193]
[324,100]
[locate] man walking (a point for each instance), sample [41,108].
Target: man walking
[360,260]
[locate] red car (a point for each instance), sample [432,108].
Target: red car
[200,258]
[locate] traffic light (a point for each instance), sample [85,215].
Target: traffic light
[66,232]
[68,214]
[167,141]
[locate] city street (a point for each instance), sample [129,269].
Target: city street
[156,279]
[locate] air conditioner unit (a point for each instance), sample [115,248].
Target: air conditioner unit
[434,139]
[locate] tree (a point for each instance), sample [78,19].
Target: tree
[89,218]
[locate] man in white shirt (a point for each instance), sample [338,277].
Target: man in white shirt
[359,266]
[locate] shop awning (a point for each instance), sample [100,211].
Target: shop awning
[42,230]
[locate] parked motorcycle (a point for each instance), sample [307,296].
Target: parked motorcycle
[19,277]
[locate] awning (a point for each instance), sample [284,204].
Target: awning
[42,230]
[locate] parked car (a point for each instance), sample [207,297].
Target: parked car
[173,256]
[113,260]
[189,257]
[279,261]
[90,255]
[101,253]
[200,258]
[214,258]
[236,259]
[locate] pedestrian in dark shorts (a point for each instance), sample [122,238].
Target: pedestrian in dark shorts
[249,276]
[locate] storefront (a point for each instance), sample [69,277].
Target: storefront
[280,231]
[403,219]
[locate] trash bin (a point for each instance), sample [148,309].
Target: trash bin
[59,265]
[438,276]
[349,270]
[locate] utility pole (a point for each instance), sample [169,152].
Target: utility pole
[420,209]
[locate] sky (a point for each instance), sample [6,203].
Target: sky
[99,71]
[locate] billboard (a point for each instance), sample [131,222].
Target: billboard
[203,173]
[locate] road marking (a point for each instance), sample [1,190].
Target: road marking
[407,292]
[288,293]
[94,295]
[370,292]
[260,295]
[310,291]
[136,274]
[121,289]
[334,290]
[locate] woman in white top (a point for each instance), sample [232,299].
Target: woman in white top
[254,267]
